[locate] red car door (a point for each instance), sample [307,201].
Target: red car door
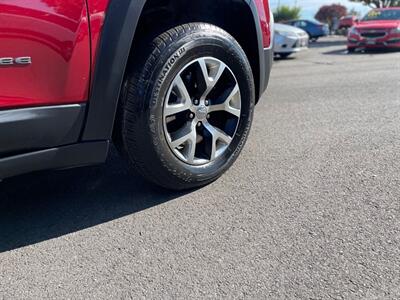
[44,53]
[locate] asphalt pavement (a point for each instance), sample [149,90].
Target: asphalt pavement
[311,210]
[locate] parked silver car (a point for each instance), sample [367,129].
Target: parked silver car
[289,39]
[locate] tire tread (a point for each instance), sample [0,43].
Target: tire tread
[133,140]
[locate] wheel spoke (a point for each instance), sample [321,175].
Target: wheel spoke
[217,135]
[171,110]
[187,136]
[226,105]
[184,99]
[181,136]
[204,70]
[190,153]
[211,77]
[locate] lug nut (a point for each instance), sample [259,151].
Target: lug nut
[198,124]
[191,116]
[208,116]
[207,102]
[196,102]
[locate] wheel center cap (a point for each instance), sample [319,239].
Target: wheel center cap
[201,112]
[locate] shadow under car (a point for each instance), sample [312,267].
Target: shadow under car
[41,206]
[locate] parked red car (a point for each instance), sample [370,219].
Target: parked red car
[171,83]
[347,22]
[380,28]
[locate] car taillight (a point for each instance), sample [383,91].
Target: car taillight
[265,21]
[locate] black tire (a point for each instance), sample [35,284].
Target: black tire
[142,138]
[351,50]
[284,55]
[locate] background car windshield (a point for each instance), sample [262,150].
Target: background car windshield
[390,14]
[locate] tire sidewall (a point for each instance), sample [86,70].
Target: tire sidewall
[169,65]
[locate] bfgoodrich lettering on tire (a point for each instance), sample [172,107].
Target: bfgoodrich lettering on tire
[188,107]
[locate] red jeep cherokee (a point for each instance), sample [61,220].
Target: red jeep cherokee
[380,28]
[172,83]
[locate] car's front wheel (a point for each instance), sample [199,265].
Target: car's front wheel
[188,107]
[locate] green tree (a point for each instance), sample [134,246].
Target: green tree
[379,3]
[286,13]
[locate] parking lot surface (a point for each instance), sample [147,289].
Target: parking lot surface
[311,210]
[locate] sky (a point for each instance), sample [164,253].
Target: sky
[310,7]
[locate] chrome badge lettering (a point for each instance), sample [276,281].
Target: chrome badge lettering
[12,61]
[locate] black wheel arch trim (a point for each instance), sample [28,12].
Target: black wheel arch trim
[122,18]
[118,33]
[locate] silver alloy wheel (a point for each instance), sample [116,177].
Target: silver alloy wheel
[202,111]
